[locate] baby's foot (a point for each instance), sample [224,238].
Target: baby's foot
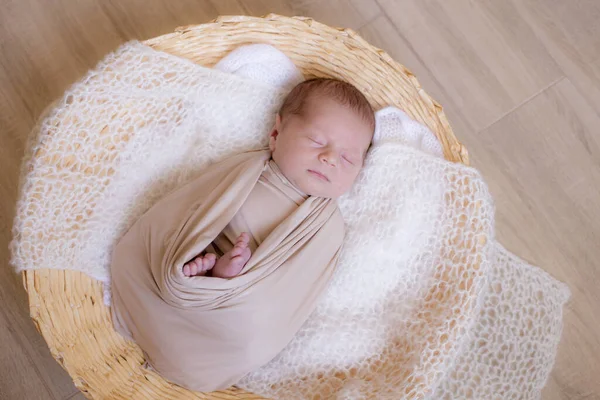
[200,265]
[231,263]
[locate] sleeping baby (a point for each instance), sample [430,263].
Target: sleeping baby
[320,138]
[217,277]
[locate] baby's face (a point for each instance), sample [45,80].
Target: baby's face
[322,151]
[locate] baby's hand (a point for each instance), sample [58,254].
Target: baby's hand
[200,265]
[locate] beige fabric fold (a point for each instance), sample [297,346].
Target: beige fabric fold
[205,333]
[272,192]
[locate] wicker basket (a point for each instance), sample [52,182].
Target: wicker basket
[67,306]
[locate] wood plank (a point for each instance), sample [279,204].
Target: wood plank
[381,33]
[19,376]
[542,165]
[229,7]
[263,7]
[77,396]
[489,61]
[571,33]
[339,13]
[141,20]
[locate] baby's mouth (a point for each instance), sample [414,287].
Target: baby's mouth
[318,175]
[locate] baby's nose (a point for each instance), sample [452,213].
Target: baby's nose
[329,158]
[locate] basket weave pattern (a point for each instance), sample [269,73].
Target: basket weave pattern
[67,306]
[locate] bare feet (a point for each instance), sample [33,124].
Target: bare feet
[231,263]
[200,265]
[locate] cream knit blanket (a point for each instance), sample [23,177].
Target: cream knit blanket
[424,304]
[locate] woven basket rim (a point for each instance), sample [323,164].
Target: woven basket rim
[36,281]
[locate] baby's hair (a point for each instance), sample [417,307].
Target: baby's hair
[342,92]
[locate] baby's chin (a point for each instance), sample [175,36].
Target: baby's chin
[329,193]
[312,186]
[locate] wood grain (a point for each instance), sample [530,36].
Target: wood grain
[487,61]
[343,13]
[77,396]
[520,80]
[382,33]
[571,33]
[264,7]
[19,378]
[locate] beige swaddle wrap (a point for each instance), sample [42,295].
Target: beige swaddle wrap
[205,333]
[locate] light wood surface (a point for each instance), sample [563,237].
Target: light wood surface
[519,79]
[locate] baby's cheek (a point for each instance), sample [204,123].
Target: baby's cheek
[339,188]
[347,185]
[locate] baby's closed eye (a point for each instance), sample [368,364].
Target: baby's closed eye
[316,141]
[353,159]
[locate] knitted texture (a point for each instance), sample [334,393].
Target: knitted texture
[424,304]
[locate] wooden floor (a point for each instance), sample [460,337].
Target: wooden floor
[520,81]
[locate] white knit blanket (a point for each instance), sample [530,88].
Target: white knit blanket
[425,302]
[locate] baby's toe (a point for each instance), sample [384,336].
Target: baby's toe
[239,248]
[209,261]
[205,265]
[186,270]
[244,238]
[199,265]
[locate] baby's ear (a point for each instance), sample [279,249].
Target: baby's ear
[274,133]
